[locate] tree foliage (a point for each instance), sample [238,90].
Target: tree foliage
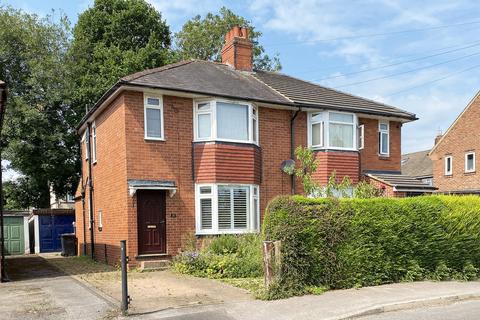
[112,39]
[203,38]
[38,138]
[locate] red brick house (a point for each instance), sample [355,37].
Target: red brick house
[195,148]
[454,154]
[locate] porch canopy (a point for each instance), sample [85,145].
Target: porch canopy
[134,185]
[402,183]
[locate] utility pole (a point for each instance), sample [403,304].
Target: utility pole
[3,103]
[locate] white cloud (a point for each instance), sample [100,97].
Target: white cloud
[176,12]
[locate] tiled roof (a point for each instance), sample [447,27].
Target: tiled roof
[307,93]
[417,164]
[217,79]
[402,182]
[210,78]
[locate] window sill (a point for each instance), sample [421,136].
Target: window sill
[333,149]
[154,139]
[214,233]
[227,141]
[384,156]
[469,173]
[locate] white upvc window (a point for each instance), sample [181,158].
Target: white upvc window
[94,143]
[384,138]
[315,129]
[153,117]
[227,208]
[470,162]
[332,130]
[225,120]
[361,137]
[448,165]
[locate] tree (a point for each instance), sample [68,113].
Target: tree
[203,39]
[112,39]
[38,137]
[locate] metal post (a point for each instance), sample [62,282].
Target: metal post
[124,262]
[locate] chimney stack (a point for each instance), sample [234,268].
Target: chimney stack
[438,136]
[237,51]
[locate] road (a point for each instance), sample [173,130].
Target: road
[466,310]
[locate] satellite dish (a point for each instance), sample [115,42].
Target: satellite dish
[287,165]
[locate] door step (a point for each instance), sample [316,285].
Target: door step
[151,265]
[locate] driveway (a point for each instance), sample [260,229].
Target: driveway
[38,290]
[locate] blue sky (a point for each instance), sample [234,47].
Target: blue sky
[422,56]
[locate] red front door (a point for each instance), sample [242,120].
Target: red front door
[152,232]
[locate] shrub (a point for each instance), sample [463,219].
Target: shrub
[227,256]
[343,243]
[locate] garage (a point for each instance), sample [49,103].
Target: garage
[49,225]
[16,233]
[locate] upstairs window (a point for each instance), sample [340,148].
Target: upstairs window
[360,137]
[334,130]
[94,143]
[448,165]
[470,162]
[226,121]
[384,138]
[341,130]
[153,118]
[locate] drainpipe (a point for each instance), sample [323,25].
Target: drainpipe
[90,188]
[292,145]
[84,246]
[3,102]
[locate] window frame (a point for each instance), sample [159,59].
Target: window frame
[446,171]
[214,196]
[149,106]
[361,137]
[213,121]
[311,122]
[466,162]
[325,130]
[380,138]
[94,143]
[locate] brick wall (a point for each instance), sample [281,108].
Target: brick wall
[222,162]
[369,155]
[110,191]
[461,138]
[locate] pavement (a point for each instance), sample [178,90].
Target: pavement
[339,304]
[38,290]
[465,310]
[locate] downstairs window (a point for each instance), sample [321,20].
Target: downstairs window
[225,208]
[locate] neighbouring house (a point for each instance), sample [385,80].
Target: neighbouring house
[454,154]
[46,227]
[418,165]
[195,148]
[66,202]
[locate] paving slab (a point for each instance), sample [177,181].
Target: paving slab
[37,290]
[338,304]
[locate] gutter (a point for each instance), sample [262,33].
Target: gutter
[292,144]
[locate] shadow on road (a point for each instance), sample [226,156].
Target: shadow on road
[20,268]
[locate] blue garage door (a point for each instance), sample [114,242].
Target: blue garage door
[51,228]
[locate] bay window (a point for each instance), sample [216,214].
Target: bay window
[334,130]
[384,138]
[153,113]
[226,121]
[225,208]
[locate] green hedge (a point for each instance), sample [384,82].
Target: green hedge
[358,242]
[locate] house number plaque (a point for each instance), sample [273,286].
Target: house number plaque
[151,226]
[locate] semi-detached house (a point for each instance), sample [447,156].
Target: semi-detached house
[195,148]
